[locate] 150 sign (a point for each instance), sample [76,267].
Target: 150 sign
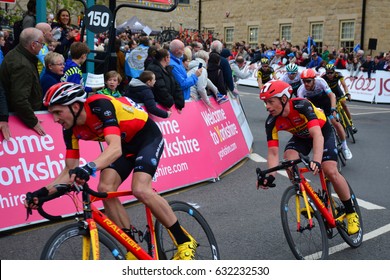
[98,19]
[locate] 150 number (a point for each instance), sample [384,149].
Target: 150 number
[97,18]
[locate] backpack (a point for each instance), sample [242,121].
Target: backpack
[18,27]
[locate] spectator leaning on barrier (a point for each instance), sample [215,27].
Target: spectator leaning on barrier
[48,39]
[20,78]
[4,128]
[140,91]
[112,79]
[176,49]
[238,67]
[166,90]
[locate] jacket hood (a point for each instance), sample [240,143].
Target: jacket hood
[137,83]
[195,63]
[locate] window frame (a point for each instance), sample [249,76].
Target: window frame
[253,43]
[347,42]
[283,34]
[320,38]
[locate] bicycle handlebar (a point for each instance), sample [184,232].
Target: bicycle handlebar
[62,189]
[284,165]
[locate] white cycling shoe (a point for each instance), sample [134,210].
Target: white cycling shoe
[347,153]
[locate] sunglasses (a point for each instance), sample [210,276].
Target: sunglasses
[292,73]
[329,73]
[307,81]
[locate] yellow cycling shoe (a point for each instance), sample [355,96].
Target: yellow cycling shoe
[187,250]
[353,223]
[129,256]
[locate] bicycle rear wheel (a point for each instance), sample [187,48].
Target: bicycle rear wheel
[347,126]
[305,242]
[193,222]
[67,243]
[354,240]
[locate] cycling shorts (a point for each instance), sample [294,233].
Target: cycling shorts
[305,145]
[142,153]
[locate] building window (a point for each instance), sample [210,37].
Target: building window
[317,35]
[184,2]
[253,36]
[229,35]
[347,35]
[285,32]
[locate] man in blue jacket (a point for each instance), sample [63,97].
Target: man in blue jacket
[176,50]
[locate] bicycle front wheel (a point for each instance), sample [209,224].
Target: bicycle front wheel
[195,224]
[356,239]
[305,241]
[67,243]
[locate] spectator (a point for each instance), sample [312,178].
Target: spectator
[29,19]
[140,91]
[54,64]
[331,58]
[215,74]
[279,58]
[112,79]
[386,62]
[341,62]
[238,68]
[325,54]
[166,90]
[62,23]
[378,63]
[120,65]
[72,71]
[4,128]
[368,66]
[353,66]
[360,56]
[19,75]
[315,61]
[9,44]
[299,58]
[48,39]
[151,54]
[176,49]
[216,47]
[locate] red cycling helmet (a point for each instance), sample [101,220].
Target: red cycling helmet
[275,88]
[308,74]
[64,94]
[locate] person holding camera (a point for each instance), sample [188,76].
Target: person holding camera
[341,62]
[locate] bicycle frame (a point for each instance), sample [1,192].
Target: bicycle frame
[93,216]
[345,121]
[307,191]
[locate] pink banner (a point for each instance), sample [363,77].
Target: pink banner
[200,144]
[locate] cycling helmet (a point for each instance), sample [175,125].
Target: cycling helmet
[330,67]
[275,88]
[308,74]
[292,68]
[64,94]
[264,61]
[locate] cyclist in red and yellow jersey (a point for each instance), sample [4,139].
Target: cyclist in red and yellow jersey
[134,142]
[311,131]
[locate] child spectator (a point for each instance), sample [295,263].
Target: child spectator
[112,79]
[140,91]
[72,71]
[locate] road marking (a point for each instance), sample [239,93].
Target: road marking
[370,113]
[366,237]
[362,203]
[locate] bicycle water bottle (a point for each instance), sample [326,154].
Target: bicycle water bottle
[117,255]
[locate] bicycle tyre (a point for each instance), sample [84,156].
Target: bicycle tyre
[355,240]
[347,126]
[341,161]
[305,243]
[350,133]
[193,222]
[67,242]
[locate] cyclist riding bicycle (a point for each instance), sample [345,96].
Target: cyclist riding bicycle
[332,78]
[265,73]
[292,77]
[311,131]
[318,92]
[134,142]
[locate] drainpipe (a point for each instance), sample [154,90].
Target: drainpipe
[363,24]
[199,14]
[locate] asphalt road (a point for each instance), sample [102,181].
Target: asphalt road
[246,221]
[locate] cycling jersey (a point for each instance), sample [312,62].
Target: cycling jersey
[294,83]
[334,83]
[318,96]
[302,116]
[106,115]
[265,74]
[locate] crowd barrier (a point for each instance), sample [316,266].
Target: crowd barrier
[200,144]
[374,90]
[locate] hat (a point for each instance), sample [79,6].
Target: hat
[225,53]
[291,54]
[280,52]
[313,53]
[305,55]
